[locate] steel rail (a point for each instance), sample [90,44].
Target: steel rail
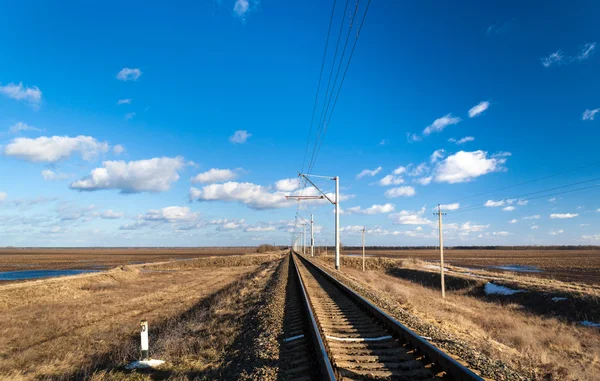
[321,353]
[450,366]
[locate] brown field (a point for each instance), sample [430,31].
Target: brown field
[529,331]
[70,327]
[567,265]
[15,259]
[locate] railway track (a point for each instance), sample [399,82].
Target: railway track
[352,339]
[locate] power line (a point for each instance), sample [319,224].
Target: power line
[529,181]
[319,84]
[343,77]
[534,198]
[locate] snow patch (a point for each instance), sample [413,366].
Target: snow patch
[495,289]
[144,364]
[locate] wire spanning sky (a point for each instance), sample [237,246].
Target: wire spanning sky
[184,124]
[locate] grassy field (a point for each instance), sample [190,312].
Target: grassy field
[71,327]
[530,330]
[15,259]
[567,265]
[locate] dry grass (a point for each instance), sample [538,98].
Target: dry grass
[545,348]
[579,265]
[58,327]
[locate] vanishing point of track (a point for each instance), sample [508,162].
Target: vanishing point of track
[352,339]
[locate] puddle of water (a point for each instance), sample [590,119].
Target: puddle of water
[518,268]
[559,298]
[590,324]
[36,274]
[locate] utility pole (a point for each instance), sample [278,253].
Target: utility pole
[335,202]
[363,242]
[439,214]
[312,236]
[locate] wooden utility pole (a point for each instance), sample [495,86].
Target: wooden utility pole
[363,243]
[439,214]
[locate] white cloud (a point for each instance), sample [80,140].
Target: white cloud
[590,114]
[50,175]
[453,206]
[170,214]
[55,148]
[400,170]
[391,180]
[556,232]
[124,101]
[383,142]
[555,216]
[465,166]
[502,234]
[241,7]
[253,195]
[419,170]
[494,204]
[400,192]
[522,202]
[595,237]
[552,199]
[3,196]
[260,229]
[368,172]
[413,137]
[228,224]
[20,126]
[513,221]
[424,180]
[287,185]
[554,58]
[239,137]
[464,140]
[534,227]
[375,209]
[509,209]
[129,115]
[111,215]
[118,149]
[214,175]
[127,74]
[437,155]
[478,109]
[467,227]
[534,217]
[408,217]
[439,124]
[152,175]
[32,95]
[352,229]
[586,51]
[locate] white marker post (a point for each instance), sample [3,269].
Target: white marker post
[144,337]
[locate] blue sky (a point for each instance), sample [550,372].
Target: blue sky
[128,123]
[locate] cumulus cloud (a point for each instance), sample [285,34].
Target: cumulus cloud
[239,137]
[453,206]
[555,216]
[228,224]
[50,175]
[556,232]
[468,227]
[391,180]
[466,166]
[590,114]
[124,101]
[127,74]
[20,126]
[260,229]
[419,170]
[400,170]
[413,137]
[118,149]
[170,214]
[287,185]
[439,124]
[534,217]
[478,109]
[368,172]
[509,209]
[215,175]
[501,234]
[437,155]
[424,180]
[32,95]
[129,115]
[408,217]
[253,195]
[55,148]
[406,191]
[152,175]
[464,140]
[375,209]
[241,7]
[111,215]
[513,221]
